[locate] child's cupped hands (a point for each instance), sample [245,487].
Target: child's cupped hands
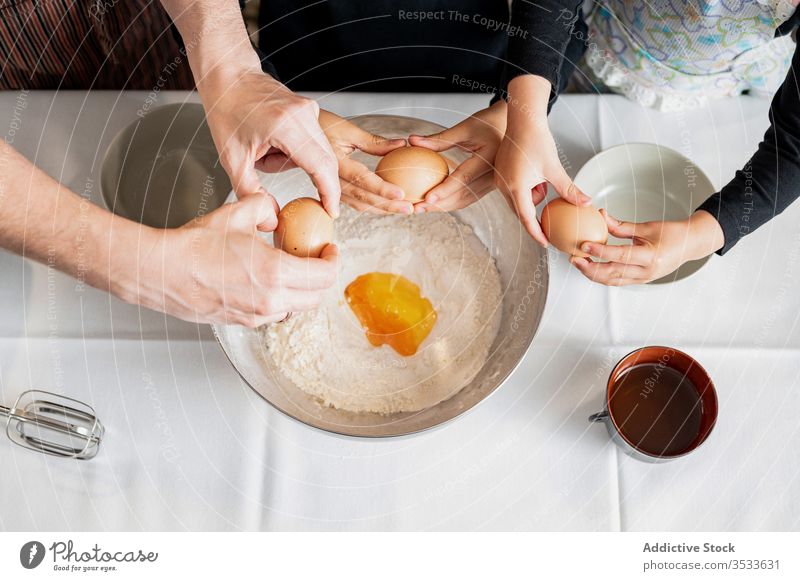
[362,189]
[480,135]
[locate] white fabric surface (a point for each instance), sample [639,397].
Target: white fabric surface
[190,447]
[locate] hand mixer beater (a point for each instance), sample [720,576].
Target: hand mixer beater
[53,424]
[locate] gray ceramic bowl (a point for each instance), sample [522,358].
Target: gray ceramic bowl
[524,279]
[642,182]
[162,170]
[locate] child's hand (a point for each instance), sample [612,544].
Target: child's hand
[480,135]
[361,188]
[658,249]
[528,156]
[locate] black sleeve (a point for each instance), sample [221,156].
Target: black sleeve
[540,35]
[770,181]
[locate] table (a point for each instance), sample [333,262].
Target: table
[190,447]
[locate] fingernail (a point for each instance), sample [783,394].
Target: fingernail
[408,209]
[432,198]
[397,194]
[586,247]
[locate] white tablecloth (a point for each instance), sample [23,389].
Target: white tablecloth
[189,446]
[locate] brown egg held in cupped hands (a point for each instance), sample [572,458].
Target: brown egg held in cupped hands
[416,170]
[304,228]
[568,226]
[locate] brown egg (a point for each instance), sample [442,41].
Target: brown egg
[415,169]
[568,226]
[304,228]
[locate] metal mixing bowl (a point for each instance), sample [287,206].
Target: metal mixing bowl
[524,278]
[163,170]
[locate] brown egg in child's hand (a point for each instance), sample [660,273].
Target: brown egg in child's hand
[568,226]
[304,228]
[416,170]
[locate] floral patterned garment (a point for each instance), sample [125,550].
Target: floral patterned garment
[675,54]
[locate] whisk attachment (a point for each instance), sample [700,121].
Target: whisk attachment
[54,424]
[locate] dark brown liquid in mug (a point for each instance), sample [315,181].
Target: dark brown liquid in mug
[657,409]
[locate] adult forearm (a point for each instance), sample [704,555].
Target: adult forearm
[251,115]
[214,35]
[43,220]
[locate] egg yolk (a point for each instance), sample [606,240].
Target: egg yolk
[391,310]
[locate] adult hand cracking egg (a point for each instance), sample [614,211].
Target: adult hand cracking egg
[237,278]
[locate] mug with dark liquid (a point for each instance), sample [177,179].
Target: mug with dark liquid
[660,404]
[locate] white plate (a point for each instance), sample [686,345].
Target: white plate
[643,182]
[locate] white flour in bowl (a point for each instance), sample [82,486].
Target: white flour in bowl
[326,352]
